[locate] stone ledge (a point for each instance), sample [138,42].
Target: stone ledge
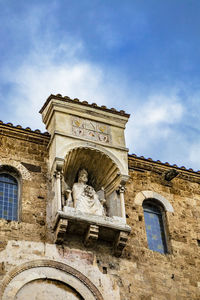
[24,134]
[115,222]
[92,228]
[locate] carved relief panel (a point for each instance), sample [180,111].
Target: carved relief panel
[91,130]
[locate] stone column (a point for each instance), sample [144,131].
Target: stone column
[58,189]
[121,195]
[58,177]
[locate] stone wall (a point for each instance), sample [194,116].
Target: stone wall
[26,152]
[140,273]
[151,275]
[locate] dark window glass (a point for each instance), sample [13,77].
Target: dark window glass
[154,227]
[8,197]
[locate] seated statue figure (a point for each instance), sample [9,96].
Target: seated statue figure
[85,198]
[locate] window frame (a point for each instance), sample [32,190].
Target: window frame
[162,213]
[7,169]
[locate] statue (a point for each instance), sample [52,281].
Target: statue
[84,196]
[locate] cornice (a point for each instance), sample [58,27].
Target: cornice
[148,164]
[85,103]
[24,133]
[134,162]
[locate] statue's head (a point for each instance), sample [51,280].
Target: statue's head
[83,176]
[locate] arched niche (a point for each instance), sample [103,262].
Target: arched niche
[36,275]
[47,289]
[102,169]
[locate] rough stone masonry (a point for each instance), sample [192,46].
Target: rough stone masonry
[31,260]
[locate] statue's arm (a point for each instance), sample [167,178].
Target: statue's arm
[101,196]
[68,197]
[71,196]
[75,193]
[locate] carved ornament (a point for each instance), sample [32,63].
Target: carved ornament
[91,130]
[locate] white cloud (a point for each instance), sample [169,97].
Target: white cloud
[43,74]
[151,130]
[161,108]
[153,118]
[194,155]
[56,67]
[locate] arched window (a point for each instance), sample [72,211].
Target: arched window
[154,223]
[8,197]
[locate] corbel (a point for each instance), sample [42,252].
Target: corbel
[60,231]
[91,236]
[120,242]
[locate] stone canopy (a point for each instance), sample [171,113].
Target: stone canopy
[102,170]
[92,138]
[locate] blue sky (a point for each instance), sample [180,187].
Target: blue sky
[137,55]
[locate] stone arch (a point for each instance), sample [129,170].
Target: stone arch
[141,196]
[104,168]
[23,173]
[81,144]
[11,170]
[47,269]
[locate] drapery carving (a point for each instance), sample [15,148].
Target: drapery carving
[84,198]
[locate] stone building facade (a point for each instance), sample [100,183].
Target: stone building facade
[145,242]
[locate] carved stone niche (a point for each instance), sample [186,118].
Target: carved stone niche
[95,215]
[91,138]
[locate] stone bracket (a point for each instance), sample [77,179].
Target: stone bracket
[120,243]
[91,229]
[170,174]
[91,236]
[60,231]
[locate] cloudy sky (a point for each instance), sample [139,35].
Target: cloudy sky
[137,55]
